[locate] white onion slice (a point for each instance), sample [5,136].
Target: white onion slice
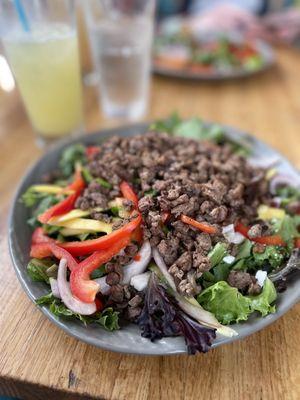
[190,305]
[137,267]
[140,282]
[261,276]
[54,287]
[231,236]
[68,299]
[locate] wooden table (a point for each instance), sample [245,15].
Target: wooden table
[39,361]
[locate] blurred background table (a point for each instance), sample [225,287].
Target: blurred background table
[39,361]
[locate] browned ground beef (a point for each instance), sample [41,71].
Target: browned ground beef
[205,181]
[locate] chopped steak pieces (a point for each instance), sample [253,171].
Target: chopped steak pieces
[175,175]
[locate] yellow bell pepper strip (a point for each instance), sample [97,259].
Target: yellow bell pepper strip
[104,242]
[67,204]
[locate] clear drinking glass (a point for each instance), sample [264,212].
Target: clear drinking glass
[121,37]
[40,42]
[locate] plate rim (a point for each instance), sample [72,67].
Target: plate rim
[133,129]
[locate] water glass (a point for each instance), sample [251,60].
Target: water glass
[40,42]
[121,34]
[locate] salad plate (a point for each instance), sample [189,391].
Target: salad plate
[128,339]
[182,53]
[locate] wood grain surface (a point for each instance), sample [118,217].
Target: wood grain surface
[39,361]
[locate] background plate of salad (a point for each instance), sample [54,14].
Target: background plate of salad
[179,52]
[62,239]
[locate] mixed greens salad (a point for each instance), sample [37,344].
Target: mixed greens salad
[183,51]
[99,250]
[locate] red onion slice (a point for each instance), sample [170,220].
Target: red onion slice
[266,162]
[104,288]
[284,180]
[190,305]
[68,299]
[137,267]
[163,268]
[54,287]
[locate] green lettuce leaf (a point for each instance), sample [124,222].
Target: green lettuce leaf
[70,156]
[262,302]
[225,302]
[217,254]
[43,205]
[108,318]
[273,256]
[229,305]
[37,269]
[194,129]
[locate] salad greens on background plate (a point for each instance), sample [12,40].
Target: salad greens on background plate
[116,257]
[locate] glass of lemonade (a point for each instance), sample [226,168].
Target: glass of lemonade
[121,37]
[40,42]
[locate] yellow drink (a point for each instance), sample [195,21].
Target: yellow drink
[46,67]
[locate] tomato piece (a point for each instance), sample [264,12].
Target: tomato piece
[165,216]
[40,250]
[80,283]
[202,226]
[104,242]
[39,236]
[271,240]
[99,304]
[242,229]
[129,193]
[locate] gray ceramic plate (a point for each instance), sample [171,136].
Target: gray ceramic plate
[128,339]
[221,74]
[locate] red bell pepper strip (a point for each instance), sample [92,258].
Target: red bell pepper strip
[129,194]
[78,183]
[202,226]
[48,249]
[137,235]
[92,150]
[270,240]
[80,283]
[62,207]
[60,253]
[67,204]
[103,242]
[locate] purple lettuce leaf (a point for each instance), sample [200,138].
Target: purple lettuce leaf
[161,317]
